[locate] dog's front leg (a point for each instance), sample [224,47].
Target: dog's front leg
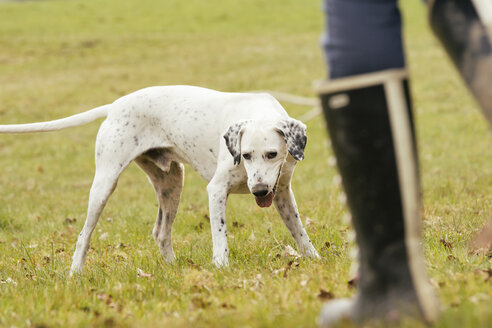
[217,198]
[286,206]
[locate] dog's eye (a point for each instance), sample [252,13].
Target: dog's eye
[247,156]
[272,155]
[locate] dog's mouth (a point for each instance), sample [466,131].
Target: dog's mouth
[265,201]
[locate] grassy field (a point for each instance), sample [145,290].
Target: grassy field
[62,57]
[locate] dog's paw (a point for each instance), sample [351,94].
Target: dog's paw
[315,255]
[220,261]
[167,254]
[169,258]
[311,252]
[75,270]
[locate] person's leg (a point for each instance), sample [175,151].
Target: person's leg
[464,28]
[362,36]
[370,124]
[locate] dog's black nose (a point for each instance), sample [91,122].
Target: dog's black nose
[260,190]
[260,193]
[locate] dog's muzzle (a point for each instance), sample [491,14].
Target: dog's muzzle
[263,197]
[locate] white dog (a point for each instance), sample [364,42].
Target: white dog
[240,143]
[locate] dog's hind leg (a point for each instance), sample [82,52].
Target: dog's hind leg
[167,179]
[110,162]
[102,187]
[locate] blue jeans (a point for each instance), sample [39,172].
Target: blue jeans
[362,36]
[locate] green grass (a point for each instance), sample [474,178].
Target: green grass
[62,57]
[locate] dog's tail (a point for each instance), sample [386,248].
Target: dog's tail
[63,123]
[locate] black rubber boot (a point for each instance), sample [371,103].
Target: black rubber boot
[464,27]
[370,125]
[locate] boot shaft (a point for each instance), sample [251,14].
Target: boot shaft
[370,124]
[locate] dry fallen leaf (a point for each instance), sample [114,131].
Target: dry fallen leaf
[69,221]
[290,252]
[8,281]
[305,279]
[120,245]
[106,299]
[482,243]
[486,274]
[236,224]
[292,264]
[227,306]
[434,283]
[142,274]
[452,258]
[120,256]
[258,281]
[199,302]
[447,245]
[325,295]
[352,283]
[192,264]
[199,226]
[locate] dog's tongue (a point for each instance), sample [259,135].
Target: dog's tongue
[265,201]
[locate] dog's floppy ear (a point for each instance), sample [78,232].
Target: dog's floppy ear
[233,140]
[294,133]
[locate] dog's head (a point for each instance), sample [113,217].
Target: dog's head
[263,146]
